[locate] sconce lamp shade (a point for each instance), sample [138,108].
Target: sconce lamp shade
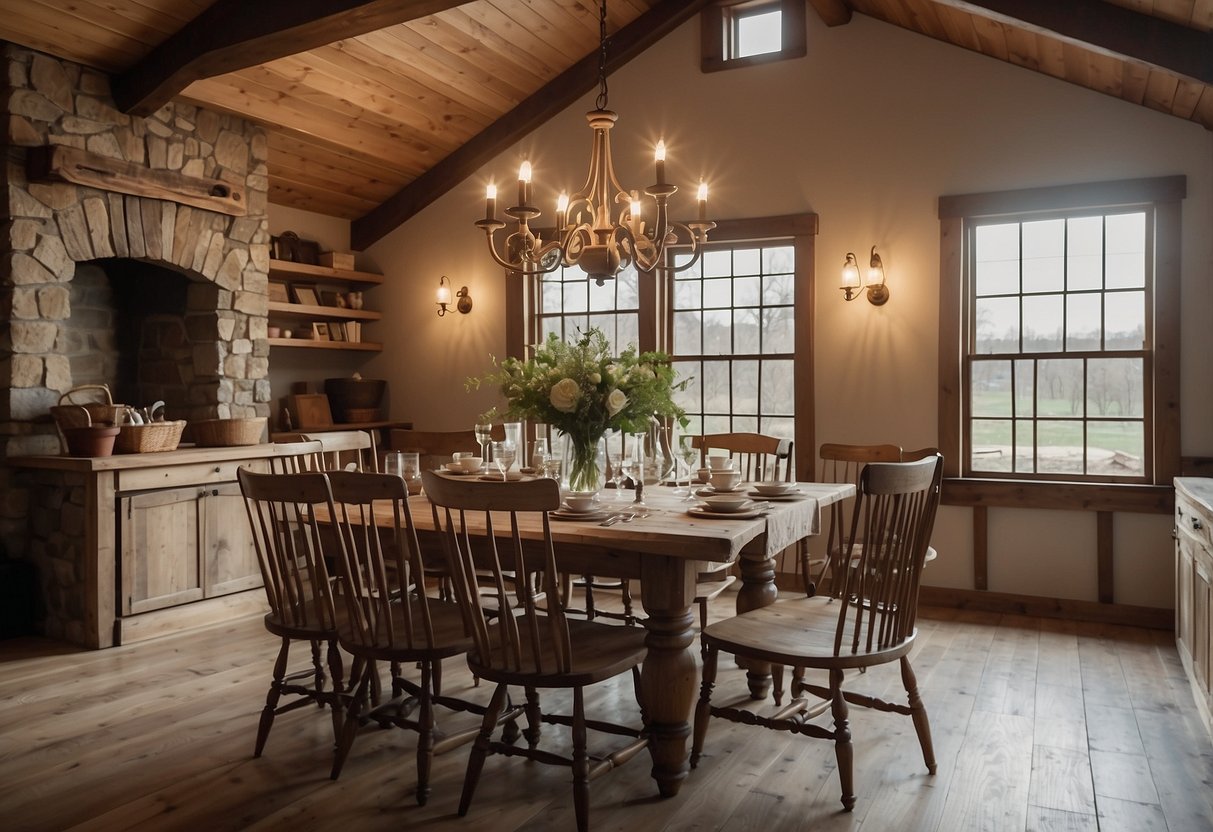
[877,292]
[443,295]
[443,298]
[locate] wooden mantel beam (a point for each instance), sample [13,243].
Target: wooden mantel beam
[552,98]
[236,34]
[1107,29]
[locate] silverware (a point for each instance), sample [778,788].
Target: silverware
[612,520]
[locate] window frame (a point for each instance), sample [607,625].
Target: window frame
[1162,196]
[656,310]
[717,24]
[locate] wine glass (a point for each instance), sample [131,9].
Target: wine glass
[484,433]
[503,457]
[615,475]
[689,454]
[539,453]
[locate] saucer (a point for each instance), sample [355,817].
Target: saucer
[726,504]
[748,514]
[495,476]
[457,470]
[785,497]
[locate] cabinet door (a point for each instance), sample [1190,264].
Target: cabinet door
[1201,620]
[229,556]
[1184,565]
[160,550]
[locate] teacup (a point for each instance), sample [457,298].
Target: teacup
[471,463]
[726,480]
[720,463]
[581,500]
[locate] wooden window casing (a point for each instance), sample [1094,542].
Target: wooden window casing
[1161,197]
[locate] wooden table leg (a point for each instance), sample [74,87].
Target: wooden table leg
[669,678]
[757,590]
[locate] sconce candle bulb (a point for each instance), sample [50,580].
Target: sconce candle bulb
[443,298]
[877,292]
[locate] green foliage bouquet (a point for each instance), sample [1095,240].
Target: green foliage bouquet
[582,390]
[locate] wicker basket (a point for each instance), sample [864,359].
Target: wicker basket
[216,433]
[71,413]
[149,438]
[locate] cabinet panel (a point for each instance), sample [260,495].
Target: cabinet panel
[228,551]
[159,550]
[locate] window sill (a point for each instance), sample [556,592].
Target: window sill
[1064,496]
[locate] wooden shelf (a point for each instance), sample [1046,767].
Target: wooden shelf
[304,343]
[301,272]
[321,313]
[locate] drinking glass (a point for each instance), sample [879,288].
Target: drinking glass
[616,473]
[393,463]
[484,432]
[689,454]
[503,456]
[410,470]
[539,452]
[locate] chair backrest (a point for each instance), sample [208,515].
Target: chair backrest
[297,457]
[291,545]
[341,447]
[436,446]
[497,511]
[381,563]
[894,516]
[757,456]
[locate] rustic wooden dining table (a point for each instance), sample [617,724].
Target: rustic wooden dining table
[665,551]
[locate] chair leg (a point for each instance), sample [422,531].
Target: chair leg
[644,714]
[777,683]
[842,740]
[703,625]
[480,749]
[589,597]
[425,734]
[345,740]
[703,710]
[319,671]
[625,587]
[534,718]
[581,763]
[271,698]
[918,713]
[337,670]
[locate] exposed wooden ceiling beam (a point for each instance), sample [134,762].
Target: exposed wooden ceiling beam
[236,34]
[538,108]
[832,12]
[1107,29]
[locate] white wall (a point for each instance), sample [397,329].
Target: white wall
[868,131]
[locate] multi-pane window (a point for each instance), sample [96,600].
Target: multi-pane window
[1059,341]
[734,339]
[730,324]
[1059,351]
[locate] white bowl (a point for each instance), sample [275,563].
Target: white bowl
[774,489]
[720,463]
[471,463]
[726,503]
[581,500]
[726,480]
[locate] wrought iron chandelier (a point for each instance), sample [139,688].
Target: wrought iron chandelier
[588,231]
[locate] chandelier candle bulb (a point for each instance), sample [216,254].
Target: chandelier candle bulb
[490,202]
[636,215]
[703,200]
[562,208]
[659,158]
[524,182]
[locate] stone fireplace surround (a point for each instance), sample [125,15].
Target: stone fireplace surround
[48,230]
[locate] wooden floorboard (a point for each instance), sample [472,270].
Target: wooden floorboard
[1038,724]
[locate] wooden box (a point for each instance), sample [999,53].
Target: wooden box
[337,259]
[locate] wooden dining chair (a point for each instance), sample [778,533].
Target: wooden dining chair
[535,648]
[760,458]
[866,620]
[297,457]
[290,551]
[388,617]
[339,448]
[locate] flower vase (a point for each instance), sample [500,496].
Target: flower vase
[585,462]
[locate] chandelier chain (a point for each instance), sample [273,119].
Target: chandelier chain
[601,101]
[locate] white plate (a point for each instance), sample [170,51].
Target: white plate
[564,513]
[514,476]
[727,503]
[451,468]
[727,515]
[789,495]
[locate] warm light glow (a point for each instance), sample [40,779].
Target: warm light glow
[637,209]
[659,154]
[562,202]
[490,192]
[850,274]
[443,295]
[703,191]
[524,172]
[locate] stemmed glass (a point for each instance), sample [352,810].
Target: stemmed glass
[503,457]
[687,452]
[615,473]
[483,434]
[539,453]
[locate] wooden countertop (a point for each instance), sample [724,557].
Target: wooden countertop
[1199,489]
[182,456]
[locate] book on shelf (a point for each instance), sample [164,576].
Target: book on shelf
[353,331]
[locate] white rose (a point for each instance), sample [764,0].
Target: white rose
[616,401]
[564,395]
[595,378]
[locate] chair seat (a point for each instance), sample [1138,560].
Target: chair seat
[450,636]
[615,650]
[798,632]
[278,627]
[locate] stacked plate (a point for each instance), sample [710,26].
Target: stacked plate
[734,506]
[565,513]
[777,491]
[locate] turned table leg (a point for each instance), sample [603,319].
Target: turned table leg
[669,677]
[757,590]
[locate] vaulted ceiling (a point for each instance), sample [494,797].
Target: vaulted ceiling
[374,108]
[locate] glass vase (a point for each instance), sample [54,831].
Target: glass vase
[584,461]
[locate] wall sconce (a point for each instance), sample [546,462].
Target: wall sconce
[443,298]
[878,293]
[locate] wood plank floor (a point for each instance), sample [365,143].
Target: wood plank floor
[1038,725]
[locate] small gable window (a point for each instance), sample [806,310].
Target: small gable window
[737,34]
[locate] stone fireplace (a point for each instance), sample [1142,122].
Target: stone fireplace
[157,298]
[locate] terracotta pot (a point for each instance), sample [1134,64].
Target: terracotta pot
[95,440]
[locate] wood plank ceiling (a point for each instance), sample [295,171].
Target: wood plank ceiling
[376,107]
